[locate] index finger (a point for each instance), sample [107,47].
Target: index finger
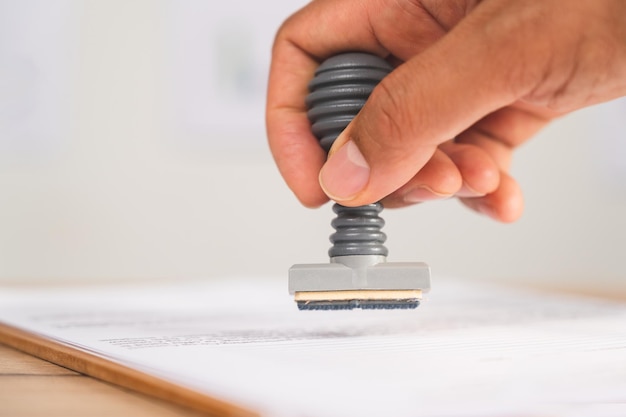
[296,151]
[307,38]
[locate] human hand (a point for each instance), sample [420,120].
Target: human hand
[474,80]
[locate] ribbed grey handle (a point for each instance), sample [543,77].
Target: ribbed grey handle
[339,90]
[358,231]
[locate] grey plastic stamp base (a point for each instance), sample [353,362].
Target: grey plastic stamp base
[338,91]
[359,273]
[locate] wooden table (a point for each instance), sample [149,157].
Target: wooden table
[33,387]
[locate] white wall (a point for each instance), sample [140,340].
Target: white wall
[111,171]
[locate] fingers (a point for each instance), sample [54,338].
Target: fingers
[400,30]
[432,97]
[470,173]
[439,178]
[454,170]
[506,204]
[479,171]
[296,151]
[298,156]
[497,135]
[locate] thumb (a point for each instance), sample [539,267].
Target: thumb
[426,101]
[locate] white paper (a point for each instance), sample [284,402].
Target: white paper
[471,349]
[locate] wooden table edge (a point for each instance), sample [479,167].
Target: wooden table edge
[116,373]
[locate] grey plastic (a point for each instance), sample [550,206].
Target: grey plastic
[339,276]
[339,90]
[358,231]
[361,272]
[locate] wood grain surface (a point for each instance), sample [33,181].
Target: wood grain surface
[31,387]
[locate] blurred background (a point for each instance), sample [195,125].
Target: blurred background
[132,146]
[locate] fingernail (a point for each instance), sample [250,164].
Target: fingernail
[467,191]
[345,173]
[423,193]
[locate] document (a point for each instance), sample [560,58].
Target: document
[471,349]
